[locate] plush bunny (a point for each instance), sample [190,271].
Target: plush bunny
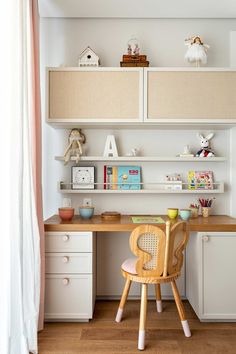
[205,146]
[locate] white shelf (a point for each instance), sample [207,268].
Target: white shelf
[145,159]
[218,188]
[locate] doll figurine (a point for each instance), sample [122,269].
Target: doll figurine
[76,138]
[197,51]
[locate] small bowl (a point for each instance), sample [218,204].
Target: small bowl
[185,214]
[172,213]
[66,214]
[86,212]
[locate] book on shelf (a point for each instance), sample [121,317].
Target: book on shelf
[173,181]
[122,177]
[200,180]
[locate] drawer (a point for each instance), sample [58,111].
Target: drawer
[68,263]
[69,296]
[69,242]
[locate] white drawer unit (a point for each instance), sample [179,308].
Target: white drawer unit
[69,297]
[211,284]
[59,263]
[69,242]
[70,276]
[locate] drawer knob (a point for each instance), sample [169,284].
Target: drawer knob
[65,281]
[65,259]
[65,238]
[205,238]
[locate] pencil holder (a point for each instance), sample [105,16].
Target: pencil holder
[206,211]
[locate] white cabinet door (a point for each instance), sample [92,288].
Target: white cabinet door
[189,95]
[211,280]
[94,95]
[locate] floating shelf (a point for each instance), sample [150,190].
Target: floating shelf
[218,188]
[145,159]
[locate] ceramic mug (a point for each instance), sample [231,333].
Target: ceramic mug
[205,212]
[86,212]
[185,214]
[172,213]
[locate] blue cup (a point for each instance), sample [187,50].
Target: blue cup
[185,214]
[86,212]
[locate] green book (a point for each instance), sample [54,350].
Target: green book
[147,220]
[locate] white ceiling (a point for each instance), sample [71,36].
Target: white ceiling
[138,8]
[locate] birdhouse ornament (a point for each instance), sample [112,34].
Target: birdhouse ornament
[197,51]
[88,58]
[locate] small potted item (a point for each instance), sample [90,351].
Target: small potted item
[66,214]
[194,208]
[86,212]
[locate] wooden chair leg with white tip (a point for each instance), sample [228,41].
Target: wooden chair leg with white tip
[181,310]
[143,317]
[123,300]
[158,297]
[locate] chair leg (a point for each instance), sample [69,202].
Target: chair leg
[158,297]
[123,300]
[181,310]
[143,316]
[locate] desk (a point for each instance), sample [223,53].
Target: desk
[71,260]
[214,223]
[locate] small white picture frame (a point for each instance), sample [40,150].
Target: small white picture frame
[83,177]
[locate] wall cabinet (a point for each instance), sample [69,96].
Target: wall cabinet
[94,95]
[197,95]
[70,275]
[210,278]
[137,95]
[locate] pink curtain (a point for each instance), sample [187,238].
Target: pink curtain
[37,148]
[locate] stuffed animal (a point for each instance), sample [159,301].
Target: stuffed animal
[76,138]
[205,146]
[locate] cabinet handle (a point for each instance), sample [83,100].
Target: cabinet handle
[65,259]
[65,238]
[205,238]
[65,281]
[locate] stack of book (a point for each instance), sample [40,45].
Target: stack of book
[134,60]
[122,177]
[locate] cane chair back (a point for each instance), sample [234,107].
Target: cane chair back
[159,253]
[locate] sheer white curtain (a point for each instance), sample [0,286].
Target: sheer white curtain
[21,289]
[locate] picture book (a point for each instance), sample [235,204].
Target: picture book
[200,180]
[122,177]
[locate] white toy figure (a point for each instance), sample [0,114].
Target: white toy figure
[197,51]
[136,49]
[134,152]
[129,50]
[205,146]
[76,138]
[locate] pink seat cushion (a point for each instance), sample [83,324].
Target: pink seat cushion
[129,265]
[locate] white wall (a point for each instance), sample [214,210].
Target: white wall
[162,40]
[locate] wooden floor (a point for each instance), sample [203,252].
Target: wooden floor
[164,333]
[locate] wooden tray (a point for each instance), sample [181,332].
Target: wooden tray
[110,215]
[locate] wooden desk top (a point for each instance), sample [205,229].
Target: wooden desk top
[220,223]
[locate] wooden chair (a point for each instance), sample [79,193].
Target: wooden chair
[160,259]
